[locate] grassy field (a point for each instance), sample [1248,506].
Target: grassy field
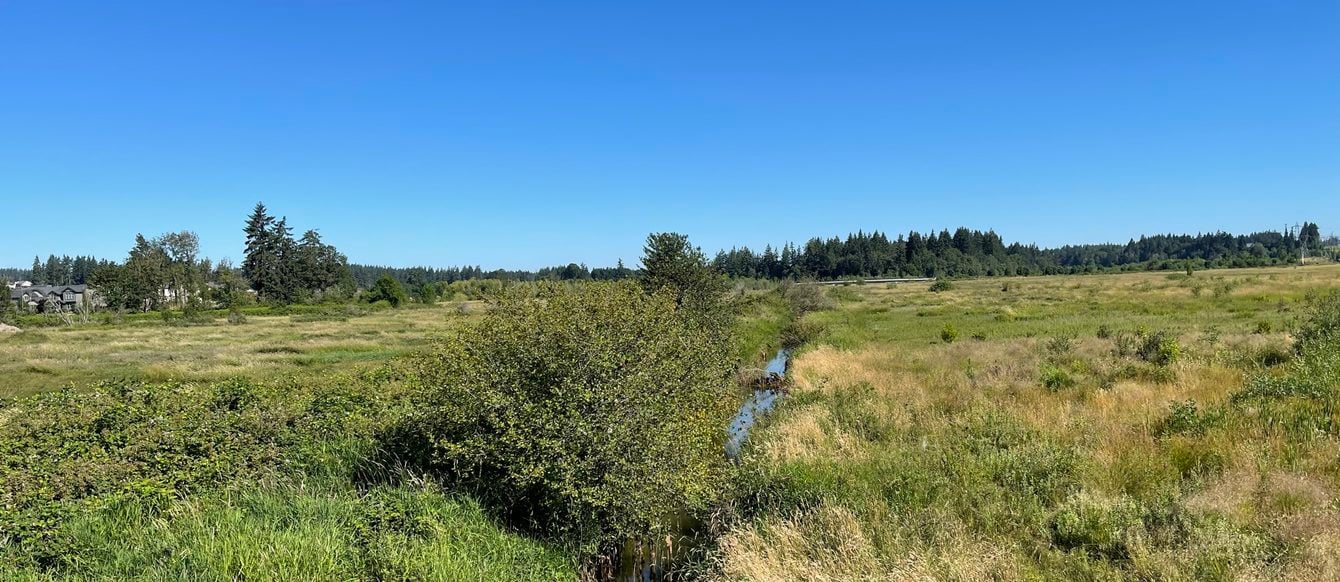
[312,343]
[222,451]
[1079,427]
[1133,426]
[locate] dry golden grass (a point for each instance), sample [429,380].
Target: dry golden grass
[882,357]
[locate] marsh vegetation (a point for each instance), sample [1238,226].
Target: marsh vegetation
[1150,425]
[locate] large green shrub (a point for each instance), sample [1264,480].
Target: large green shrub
[806,298]
[586,415]
[388,290]
[1321,322]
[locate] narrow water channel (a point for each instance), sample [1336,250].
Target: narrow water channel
[640,562]
[759,403]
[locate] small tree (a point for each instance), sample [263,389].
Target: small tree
[388,290]
[670,262]
[427,293]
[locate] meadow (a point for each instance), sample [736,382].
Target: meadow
[1120,426]
[308,341]
[1133,426]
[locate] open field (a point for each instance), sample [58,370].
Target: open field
[1133,426]
[265,346]
[1031,428]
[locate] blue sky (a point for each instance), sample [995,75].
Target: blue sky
[523,135]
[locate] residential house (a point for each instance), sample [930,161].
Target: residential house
[43,297]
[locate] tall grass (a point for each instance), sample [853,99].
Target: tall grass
[1173,447]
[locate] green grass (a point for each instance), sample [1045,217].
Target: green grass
[1037,449]
[303,341]
[302,533]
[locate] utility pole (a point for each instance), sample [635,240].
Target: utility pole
[1302,248]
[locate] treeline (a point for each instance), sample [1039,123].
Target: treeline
[974,253]
[366,275]
[165,272]
[63,270]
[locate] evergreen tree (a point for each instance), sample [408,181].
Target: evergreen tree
[669,261]
[261,263]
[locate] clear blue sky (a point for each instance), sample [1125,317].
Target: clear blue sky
[523,135]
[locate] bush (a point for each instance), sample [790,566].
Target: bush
[63,453]
[1160,348]
[1321,321]
[1187,419]
[1055,378]
[1263,327]
[388,290]
[1104,332]
[1061,345]
[806,298]
[941,285]
[948,334]
[587,415]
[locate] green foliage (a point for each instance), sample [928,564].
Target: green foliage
[1185,418]
[1160,348]
[1099,526]
[1060,345]
[62,450]
[388,290]
[1054,377]
[587,415]
[1321,321]
[940,285]
[669,261]
[948,334]
[284,270]
[806,298]
[427,294]
[1104,332]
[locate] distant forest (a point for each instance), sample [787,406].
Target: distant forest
[961,253]
[972,253]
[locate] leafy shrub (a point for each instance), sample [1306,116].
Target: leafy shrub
[941,285]
[388,290]
[1061,345]
[1321,321]
[1055,377]
[1104,332]
[979,336]
[64,452]
[1263,327]
[806,298]
[1186,418]
[948,334]
[800,332]
[586,415]
[1160,348]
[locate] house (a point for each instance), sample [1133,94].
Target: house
[42,297]
[17,284]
